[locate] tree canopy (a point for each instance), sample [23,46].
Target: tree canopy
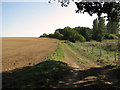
[111,8]
[113,27]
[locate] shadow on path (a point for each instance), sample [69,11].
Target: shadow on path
[56,74]
[102,77]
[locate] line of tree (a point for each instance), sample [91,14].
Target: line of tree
[66,33]
[99,32]
[102,31]
[99,29]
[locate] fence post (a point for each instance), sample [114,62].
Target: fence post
[81,46]
[118,48]
[87,48]
[115,56]
[100,52]
[92,50]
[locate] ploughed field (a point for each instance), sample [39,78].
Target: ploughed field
[18,52]
[67,65]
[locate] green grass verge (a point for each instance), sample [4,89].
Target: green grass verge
[58,55]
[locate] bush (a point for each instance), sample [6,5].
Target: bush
[72,35]
[81,38]
[51,35]
[44,35]
[58,35]
[111,36]
[85,32]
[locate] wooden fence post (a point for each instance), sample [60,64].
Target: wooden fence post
[81,46]
[92,50]
[118,47]
[100,52]
[115,56]
[87,48]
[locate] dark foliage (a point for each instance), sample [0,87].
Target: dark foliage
[111,36]
[85,32]
[112,9]
[48,74]
[43,75]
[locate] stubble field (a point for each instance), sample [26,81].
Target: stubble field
[18,52]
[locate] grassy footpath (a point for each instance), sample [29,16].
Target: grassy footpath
[80,60]
[94,56]
[43,75]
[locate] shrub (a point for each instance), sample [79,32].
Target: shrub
[111,36]
[44,35]
[81,38]
[51,35]
[58,35]
[72,35]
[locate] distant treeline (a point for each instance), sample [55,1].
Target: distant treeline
[99,32]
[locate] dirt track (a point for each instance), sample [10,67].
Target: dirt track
[92,74]
[21,52]
[73,63]
[88,75]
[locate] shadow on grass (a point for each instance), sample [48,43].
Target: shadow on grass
[56,74]
[45,74]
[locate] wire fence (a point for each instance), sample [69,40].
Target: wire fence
[107,55]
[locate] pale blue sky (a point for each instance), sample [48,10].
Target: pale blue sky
[31,19]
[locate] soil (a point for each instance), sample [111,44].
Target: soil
[22,52]
[18,52]
[92,75]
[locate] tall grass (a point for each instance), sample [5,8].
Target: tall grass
[109,45]
[106,58]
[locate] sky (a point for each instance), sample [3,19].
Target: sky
[32,19]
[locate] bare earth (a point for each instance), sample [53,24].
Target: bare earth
[93,73]
[21,52]
[18,52]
